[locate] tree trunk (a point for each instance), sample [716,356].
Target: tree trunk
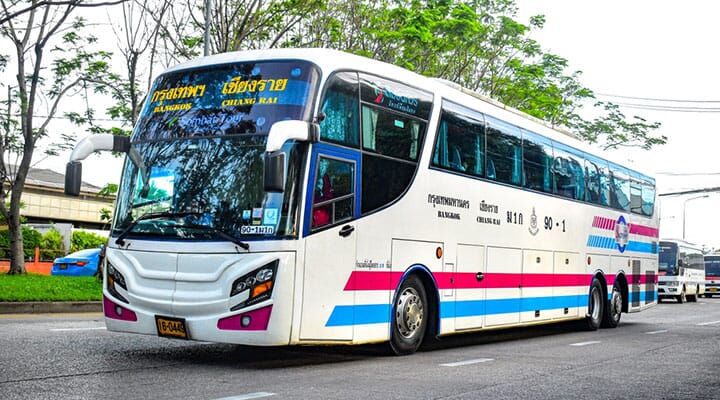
[17,253]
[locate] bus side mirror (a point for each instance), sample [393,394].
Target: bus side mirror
[274,176]
[73,178]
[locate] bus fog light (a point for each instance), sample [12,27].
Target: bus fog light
[245,321]
[118,310]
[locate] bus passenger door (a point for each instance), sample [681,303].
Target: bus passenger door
[330,244]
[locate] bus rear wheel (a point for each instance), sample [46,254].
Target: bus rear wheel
[410,316]
[594,316]
[613,311]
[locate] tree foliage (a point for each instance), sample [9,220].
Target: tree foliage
[478,44]
[85,240]
[31,30]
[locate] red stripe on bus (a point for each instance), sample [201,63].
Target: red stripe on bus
[370,280]
[385,280]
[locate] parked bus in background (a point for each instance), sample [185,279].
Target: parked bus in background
[712,274]
[682,271]
[306,196]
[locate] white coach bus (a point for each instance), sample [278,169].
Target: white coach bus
[305,196]
[681,271]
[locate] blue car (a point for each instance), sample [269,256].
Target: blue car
[80,263]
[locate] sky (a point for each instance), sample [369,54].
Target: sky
[644,50]
[641,50]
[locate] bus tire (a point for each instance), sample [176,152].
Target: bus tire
[682,297]
[410,317]
[596,306]
[613,309]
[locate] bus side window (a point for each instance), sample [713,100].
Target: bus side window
[648,198]
[620,191]
[334,194]
[460,144]
[504,150]
[592,177]
[635,197]
[340,107]
[537,159]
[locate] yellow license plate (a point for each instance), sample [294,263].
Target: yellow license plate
[171,327]
[712,289]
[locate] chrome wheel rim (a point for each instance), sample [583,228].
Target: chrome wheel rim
[595,304]
[616,304]
[409,313]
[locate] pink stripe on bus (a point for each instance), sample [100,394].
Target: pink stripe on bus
[644,230]
[635,229]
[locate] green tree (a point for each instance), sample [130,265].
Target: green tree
[51,245]
[479,45]
[32,29]
[85,240]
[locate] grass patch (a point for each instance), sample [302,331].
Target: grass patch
[32,287]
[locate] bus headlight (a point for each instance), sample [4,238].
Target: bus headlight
[115,278]
[258,284]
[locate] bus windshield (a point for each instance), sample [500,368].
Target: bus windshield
[667,259]
[201,138]
[712,266]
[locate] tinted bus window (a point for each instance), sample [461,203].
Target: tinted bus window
[341,107]
[568,173]
[393,128]
[460,144]
[592,180]
[648,198]
[504,152]
[620,194]
[537,162]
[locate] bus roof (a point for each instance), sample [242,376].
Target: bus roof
[333,60]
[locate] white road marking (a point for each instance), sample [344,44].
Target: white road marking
[585,343]
[709,323]
[656,332]
[77,329]
[248,396]
[467,362]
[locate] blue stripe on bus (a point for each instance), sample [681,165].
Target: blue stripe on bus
[359,315]
[473,308]
[604,242]
[380,313]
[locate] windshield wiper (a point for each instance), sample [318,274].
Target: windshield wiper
[221,233]
[153,215]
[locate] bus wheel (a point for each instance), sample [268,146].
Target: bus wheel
[594,315]
[682,298]
[613,311]
[409,317]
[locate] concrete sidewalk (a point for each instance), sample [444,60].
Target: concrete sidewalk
[45,307]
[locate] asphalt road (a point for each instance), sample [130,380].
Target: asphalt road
[671,351]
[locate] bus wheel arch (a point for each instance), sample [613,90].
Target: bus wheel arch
[414,314]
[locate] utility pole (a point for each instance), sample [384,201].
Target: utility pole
[206,49]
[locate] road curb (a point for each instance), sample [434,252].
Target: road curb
[46,307]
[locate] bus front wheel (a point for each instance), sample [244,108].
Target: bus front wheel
[410,316]
[594,315]
[682,297]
